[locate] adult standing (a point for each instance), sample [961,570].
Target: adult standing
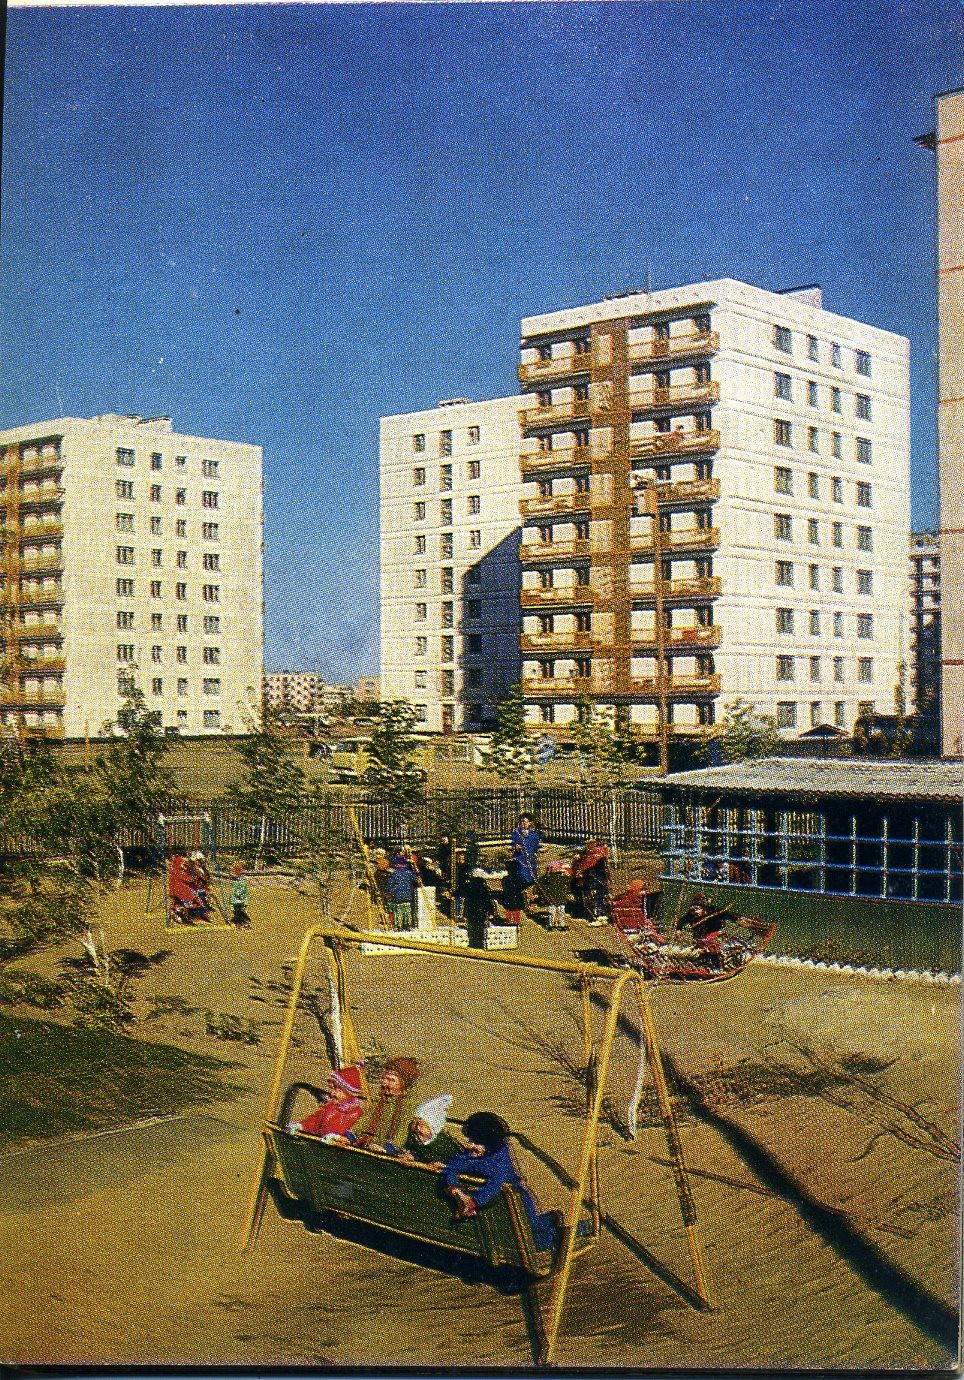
[403,883]
[525,846]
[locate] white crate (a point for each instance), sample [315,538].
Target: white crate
[502,937]
[458,937]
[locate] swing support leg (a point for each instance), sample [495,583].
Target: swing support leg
[560,1281]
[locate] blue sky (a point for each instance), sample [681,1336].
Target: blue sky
[277,223]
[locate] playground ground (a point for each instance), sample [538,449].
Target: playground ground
[818,1112]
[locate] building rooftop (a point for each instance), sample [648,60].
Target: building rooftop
[815,778]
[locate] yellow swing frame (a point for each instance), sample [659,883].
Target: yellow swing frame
[585,1190]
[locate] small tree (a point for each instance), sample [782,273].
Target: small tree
[393,773]
[509,754]
[903,730]
[741,734]
[605,749]
[130,776]
[273,783]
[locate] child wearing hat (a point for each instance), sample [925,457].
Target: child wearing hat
[239,898]
[487,1156]
[341,1108]
[383,1124]
[427,1141]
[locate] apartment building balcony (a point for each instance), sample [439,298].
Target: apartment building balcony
[40,564]
[678,640]
[677,591]
[682,493]
[46,492]
[550,686]
[42,467]
[556,414]
[667,444]
[682,539]
[559,367]
[40,665]
[37,598]
[559,596]
[556,642]
[557,503]
[542,551]
[677,687]
[538,463]
[48,526]
[33,699]
[695,345]
[678,397]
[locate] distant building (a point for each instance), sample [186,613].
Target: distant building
[450,560]
[133,554]
[368,689]
[925,590]
[300,691]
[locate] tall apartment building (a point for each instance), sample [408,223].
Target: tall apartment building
[131,553]
[301,691]
[947,141]
[925,621]
[715,504]
[449,560]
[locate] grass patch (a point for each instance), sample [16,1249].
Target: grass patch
[57,1080]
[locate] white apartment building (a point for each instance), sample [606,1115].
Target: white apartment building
[449,560]
[925,622]
[302,691]
[773,437]
[133,553]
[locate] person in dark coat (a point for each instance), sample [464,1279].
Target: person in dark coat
[513,893]
[478,908]
[487,1156]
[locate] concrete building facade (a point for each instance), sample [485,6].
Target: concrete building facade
[449,560]
[133,553]
[302,691]
[925,621]
[715,505]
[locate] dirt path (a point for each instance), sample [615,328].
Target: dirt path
[825,1097]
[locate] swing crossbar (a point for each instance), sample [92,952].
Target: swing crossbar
[337,940]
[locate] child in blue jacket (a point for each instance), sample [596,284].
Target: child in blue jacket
[487,1157]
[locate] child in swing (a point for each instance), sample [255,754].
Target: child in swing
[427,1141]
[487,1156]
[341,1108]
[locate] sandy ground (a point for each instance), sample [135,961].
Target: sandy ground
[818,1120]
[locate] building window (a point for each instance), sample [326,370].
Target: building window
[212,718]
[863,407]
[211,685]
[421,579]
[421,646]
[813,531]
[475,504]
[865,582]
[125,619]
[180,527]
[418,442]
[209,468]
[838,625]
[786,714]
[782,480]
[814,622]
[784,620]
[865,669]
[838,713]
[784,572]
[865,625]
[124,488]
[448,648]
[157,654]
[865,539]
[835,358]
[475,436]
[782,433]
[209,531]
[582,528]
[180,496]
[812,398]
[156,526]
[124,522]
[448,683]
[814,668]
[836,579]
[212,656]
[180,462]
[125,457]
[125,555]
[783,526]
[180,654]
[865,451]
[445,443]
[813,347]
[785,668]
[211,559]
[446,510]
[813,486]
[836,445]
[418,475]
[125,651]
[448,580]
[157,622]
[445,477]
[813,440]
[448,615]
[783,339]
[421,612]
[475,469]
[836,533]
[836,405]
[580,438]
[815,577]
[783,387]
[474,609]
[420,545]
[473,576]
[212,622]
[421,680]
[157,461]
[862,362]
[814,713]
[475,539]
[838,668]
[182,688]
[836,489]
[864,496]
[180,590]
[157,556]
[155,493]
[209,498]
[155,589]
[157,686]
[420,512]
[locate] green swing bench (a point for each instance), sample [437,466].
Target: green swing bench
[382,1191]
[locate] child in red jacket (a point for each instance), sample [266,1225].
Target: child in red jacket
[337,1114]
